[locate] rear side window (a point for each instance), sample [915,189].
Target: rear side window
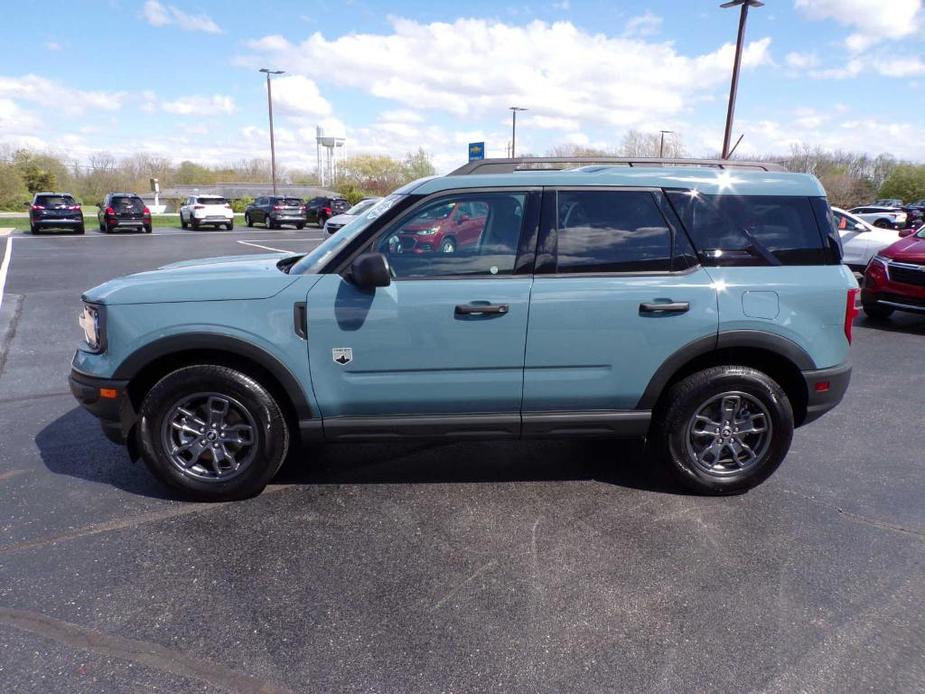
[751,230]
[124,202]
[611,231]
[291,202]
[55,201]
[212,201]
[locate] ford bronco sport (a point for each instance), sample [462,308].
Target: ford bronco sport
[703,305]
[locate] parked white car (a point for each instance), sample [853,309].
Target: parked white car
[337,222]
[883,217]
[861,240]
[206,210]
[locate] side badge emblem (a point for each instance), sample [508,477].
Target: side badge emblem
[342,355]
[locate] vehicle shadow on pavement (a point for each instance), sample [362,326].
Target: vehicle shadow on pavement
[908,323]
[624,463]
[73,445]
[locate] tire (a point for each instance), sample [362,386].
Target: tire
[248,221]
[229,226]
[300,226]
[878,311]
[194,223]
[100,224]
[147,228]
[107,228]
[238,401]
[271,224]
[34,230]
[81,229]
[678,434]
[883,224]
[183,224]
[448,246]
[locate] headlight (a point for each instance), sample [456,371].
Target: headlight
[92,321]
[428,232]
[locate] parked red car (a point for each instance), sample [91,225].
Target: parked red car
[444,229]
[895,278]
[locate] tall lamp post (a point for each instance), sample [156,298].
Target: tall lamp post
[734,88]
[661,144]
[514,110]
[270,107]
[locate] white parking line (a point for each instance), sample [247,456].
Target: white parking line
[266,248]
[5,266]
[243,232]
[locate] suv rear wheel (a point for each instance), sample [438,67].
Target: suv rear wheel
[724,430]
[878,311]
[213,433]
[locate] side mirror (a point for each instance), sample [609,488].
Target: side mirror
[371,270]
[859,227]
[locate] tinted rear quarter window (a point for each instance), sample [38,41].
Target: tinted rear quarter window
[734,229]
[611,231]
[212,201]
[127,203]
[54,200]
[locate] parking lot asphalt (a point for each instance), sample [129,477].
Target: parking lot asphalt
[471,566]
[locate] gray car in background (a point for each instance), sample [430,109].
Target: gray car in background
[337,222]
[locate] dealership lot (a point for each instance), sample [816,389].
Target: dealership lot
[541,566]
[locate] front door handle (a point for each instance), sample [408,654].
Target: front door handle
[481,309]
[674,307]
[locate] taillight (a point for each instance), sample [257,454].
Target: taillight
[38,207]
[147,212]
[227,206]
[327,211]
[110,212]
[302,208]
[277,207]
[73,207]
[851,311]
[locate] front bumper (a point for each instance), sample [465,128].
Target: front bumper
[821,397]
[108,401]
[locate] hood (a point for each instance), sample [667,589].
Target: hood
[230,278]
[341,219]
[908,250]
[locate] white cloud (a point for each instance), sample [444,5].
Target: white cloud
[53,46]
[159,15]
[298,95]
[875,20]
[801,61]
[551,123]
[645,24]
[403,116]
[15,119]
[901,67]
[54,95]
[217,104]
[556,70]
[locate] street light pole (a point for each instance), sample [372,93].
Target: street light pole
[514,110]
[270,108]
[734,87]
[661,144]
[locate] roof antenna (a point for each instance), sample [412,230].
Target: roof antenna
[733,150]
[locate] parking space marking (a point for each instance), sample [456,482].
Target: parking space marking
[5,267]
[266,248]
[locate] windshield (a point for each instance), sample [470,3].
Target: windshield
[921,234]
[313,262]
[361,207]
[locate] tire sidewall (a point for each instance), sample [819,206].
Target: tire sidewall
[691,395]
[271,431]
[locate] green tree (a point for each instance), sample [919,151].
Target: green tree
[37,179]
[906,181]
[418,165]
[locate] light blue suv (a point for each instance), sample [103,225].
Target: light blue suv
[703,306]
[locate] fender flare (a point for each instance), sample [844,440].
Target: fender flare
[782,346]
[133,364]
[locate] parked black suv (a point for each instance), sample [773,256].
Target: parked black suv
[322,209]
[123,210]
[276,210]
[50,210]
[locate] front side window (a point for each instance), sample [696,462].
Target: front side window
[474,234]
[605,231]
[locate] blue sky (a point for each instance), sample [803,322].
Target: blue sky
[179,77]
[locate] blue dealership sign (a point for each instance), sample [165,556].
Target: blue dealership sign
[476,150]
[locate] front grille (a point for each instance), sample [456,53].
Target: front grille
[907,275]
[407,243]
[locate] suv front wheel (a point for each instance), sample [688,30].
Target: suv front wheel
[212,432]
[724,430]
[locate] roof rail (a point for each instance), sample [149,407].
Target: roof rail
[500,166]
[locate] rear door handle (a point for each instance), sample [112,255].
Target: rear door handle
[481,309]
[674,307]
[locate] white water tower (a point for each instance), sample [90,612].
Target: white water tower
[327,153]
